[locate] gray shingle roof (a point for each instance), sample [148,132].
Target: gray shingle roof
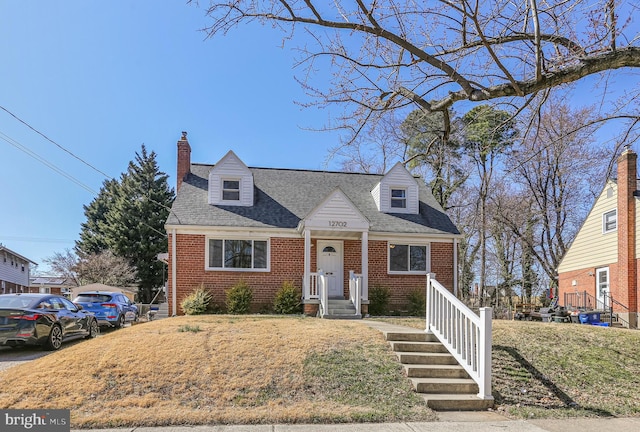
[283,197]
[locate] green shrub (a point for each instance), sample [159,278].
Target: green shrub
[239,298]
[417,302]
[197,302]
[287,300]
[379,300]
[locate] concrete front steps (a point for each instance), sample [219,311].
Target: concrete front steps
[435,373]
[341,309]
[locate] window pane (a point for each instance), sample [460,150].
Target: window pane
[231,184]
[418,258]
[231,190]
[260,254]
[398,198]
[237,253]
[398,257]
[215,253]
[231,195]
[610,221]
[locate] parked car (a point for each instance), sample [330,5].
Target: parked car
[43,319]
[111,309]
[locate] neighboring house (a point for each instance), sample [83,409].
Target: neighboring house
[14,271]
[600,268]
[265,226]
[51,285]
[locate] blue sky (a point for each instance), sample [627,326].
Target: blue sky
[103,78]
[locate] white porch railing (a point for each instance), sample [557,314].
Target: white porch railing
[355,291]
[466,336]
[311,287]
[323,293]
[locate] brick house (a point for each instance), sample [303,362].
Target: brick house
[600,267]
[323,231]
[14,271]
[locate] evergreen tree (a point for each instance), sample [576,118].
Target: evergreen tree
[135,224]
[93,232]
[430,142]
[488,134]
[127,218]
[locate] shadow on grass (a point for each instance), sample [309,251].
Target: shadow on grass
[552,388]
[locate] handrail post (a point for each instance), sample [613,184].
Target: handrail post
[429,303]
[484,386]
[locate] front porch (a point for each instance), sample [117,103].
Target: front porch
[317,301]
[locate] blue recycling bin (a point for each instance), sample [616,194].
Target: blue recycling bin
[589,317]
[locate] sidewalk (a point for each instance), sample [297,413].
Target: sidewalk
[449,422]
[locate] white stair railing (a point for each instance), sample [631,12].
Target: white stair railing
[323,293]
[466,336]
[355,291]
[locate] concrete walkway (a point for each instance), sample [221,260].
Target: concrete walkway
[449,422]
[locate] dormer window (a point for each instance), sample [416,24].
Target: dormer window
[231,182]
[398,198]
[231,190]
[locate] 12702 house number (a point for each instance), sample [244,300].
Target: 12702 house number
[341,224]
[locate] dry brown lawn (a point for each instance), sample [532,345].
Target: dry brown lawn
[220,370]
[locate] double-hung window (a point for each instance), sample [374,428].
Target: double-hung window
[240,254]
[609,221]
[231,190]
[407,258]
[399,198]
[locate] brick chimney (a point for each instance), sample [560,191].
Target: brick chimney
[626,291]
[184,160]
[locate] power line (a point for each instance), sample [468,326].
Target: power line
[58,170]
[36,239]
[42,160]
[52,141]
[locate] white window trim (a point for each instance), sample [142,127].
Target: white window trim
[604,221]
[409,272]
[225,269]
[222,189]
[406,198]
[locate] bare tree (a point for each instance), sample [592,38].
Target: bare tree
[386,55]
[559,170]
[64,264]
[105,268]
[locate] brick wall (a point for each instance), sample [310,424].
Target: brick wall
[287,264]
[627,179]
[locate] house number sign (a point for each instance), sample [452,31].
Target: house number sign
[340,224]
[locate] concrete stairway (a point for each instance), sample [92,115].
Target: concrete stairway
[341,309]
[435,373]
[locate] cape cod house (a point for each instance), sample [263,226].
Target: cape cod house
[332,234]
[600,269]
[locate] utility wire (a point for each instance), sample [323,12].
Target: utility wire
[42,160]
[52,141]
[61,172]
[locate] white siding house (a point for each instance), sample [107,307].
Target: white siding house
[14,271]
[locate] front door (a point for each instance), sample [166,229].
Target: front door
[602,288]
[330,261]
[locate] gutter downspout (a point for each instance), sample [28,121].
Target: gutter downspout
[174,302]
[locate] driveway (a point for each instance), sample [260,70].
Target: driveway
[10,357]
